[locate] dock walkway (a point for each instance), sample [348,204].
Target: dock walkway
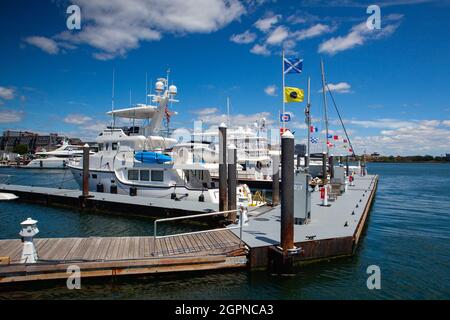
[123,255]
[332,231]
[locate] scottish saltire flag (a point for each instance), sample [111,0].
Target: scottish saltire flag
[313,129]
[314,140]
[285,117]
[293,65]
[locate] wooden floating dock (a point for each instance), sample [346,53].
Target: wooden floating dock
[113,256]
[333,232]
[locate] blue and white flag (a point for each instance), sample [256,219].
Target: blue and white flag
[314,140]
[330,136]
[293,65]
[285,117]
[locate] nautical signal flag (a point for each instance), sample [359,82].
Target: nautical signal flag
[313,129]
[314,140]
[285,117]
[292,94]
[293,65]
[330,136]
[336,138]
[350,150]
[330,144]
[345,141]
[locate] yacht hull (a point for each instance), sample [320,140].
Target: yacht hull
[106,181]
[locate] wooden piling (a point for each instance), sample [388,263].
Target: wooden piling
[275,181]
[86,170]
[287,192]
[331,164]
[223,198]
[347,168]
[232,182]
[324,166]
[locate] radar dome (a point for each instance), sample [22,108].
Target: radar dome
[173,90]
[159,86]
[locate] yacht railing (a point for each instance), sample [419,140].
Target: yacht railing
[155,224]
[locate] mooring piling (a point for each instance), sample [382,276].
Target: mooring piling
[232,182]
[85,193]
[347,168]
[223,195]
[331,165]
[287,192]
[275,180]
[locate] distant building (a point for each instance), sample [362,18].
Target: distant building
[447,156]
[375,155]
[300,149]
[12,138]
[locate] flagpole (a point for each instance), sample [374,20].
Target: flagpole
[325,105]
[282,92]
[308,117]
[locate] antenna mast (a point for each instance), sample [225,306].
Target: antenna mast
[325,105]
[112,101]
[228,112]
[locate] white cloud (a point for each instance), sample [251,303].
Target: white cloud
[7,93]
[77,119]
[45,44]
[397,136]
[238,119]
[260,49]
[277,36]
[341,87]
[358,35]
[313,31]
[265,24]
[114,27]
[271,90]
[245,37]
[446,123]
[205,111]
[10,116]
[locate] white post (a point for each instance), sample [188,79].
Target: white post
[29,230]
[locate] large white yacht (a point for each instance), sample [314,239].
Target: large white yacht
[56,159]
[141,161]
[254,156]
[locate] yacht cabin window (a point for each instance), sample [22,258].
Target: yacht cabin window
[107,146]
[133,174]
[157,175]
[114,145]
[145,175]
[100,146]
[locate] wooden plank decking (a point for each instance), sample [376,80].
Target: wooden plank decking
[106,256]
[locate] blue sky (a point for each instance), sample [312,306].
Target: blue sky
[391,85]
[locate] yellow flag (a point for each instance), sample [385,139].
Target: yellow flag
[292,94]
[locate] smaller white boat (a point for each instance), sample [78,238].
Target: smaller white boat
[7,196]
[56,159]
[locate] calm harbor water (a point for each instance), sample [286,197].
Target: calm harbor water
[407,236]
